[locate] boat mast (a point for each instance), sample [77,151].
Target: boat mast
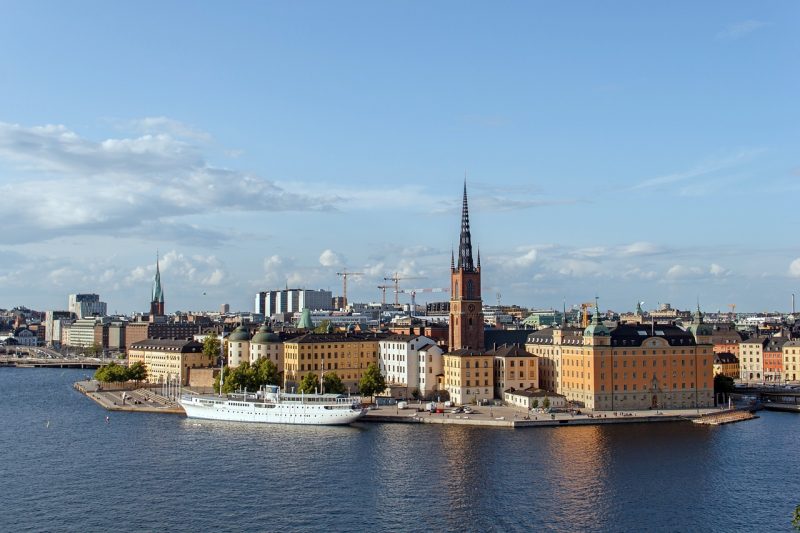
[221,362]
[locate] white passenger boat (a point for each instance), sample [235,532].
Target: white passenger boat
[272,406]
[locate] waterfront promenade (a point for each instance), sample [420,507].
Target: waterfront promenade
[148,400]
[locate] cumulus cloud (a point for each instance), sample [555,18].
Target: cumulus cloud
[195,269]
[525,260]
[119,186]
[677,272]
[717,270]
[794,268]
[639,248]
[577,268]
[329,258]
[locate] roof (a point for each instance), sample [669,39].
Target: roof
[265,336]
[497,337]
[399,337]
[725,358]
[755,340]
[791,344]
[533,393]
[467,352]
[168,345]
[513,350]
[636,334]
[311,338]
[240,334]
[775,344]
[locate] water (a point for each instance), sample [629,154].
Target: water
[63,468]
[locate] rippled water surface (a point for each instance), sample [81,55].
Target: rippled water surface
[63,468]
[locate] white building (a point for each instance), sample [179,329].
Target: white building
[410,363]
[751,359]
[270,303]
[52,326]
[533,398]
[86,305]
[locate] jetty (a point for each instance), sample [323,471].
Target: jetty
[138,399]
[725,417]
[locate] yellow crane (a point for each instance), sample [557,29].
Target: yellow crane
[585,313]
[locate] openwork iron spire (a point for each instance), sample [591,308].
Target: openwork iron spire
[465,246]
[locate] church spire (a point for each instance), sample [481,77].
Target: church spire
[158,293]
[465,245]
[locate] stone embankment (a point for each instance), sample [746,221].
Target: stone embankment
[725,417]
[140,400]
[509,417]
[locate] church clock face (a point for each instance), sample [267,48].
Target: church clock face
[471,307]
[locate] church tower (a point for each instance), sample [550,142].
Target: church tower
[466,306]
[157,300]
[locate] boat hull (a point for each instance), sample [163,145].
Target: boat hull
[272,413]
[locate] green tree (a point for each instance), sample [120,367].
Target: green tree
[372,381]
[723,384]
[535,404]
[309,383]
[415,394]
[546,402]
[211,347]
[796,518]
[323,327]
[137,372]
[333,383]
[94,350]
[266,372]
[111,373]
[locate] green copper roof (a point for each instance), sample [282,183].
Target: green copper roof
[265,336]
[305,320]
[158,292]
[240,334]
[596,328]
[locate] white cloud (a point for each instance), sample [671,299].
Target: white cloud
[525,260]
[717,270]
[639,248]
[677,272]
[710,166]
[577,268]
[593,251]
[740,29]
[168,126]
[122,186]
[794,268]
[329,258]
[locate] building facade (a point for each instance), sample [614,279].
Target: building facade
[275,302]
[791,361]
[86,305]
[169,360]
[345,354]
[514,368]
[751,359]
[405,367]
[469,376]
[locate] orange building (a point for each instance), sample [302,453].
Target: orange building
[773,359]
[633,367]
[469,375]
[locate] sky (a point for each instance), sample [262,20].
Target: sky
[636,151]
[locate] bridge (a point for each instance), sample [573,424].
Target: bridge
[51,362]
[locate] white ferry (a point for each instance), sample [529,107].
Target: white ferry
[275,407]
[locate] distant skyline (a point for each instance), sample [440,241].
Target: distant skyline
[638,152]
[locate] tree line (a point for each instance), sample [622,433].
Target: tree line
[114,373]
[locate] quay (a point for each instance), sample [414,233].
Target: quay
[510,417]
[725,417]
[42,362]
[139,400]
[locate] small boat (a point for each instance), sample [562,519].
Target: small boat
[271,406]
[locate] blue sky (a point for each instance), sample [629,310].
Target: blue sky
[637,151]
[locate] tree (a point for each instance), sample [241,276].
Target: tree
[723,384]
[535,403]
[211,347]
[94,350]
[546,402]
[309,384]
[796,518]
[323,326]
[415,394]
[111,373]
[372,381]
[266,372]
[333,383]
[137,372]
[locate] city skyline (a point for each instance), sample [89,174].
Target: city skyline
[640,153]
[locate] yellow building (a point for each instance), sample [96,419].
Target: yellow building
[345,354]
[726,364]
[630,367]
[469,375]
[167,360]
[547,345]
[791,361]
[514,368]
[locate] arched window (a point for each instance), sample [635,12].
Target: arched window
[469,289]
[455,289]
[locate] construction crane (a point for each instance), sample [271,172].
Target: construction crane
[585,313]
[396,279]
[344,275]
[413,293]
[383,292]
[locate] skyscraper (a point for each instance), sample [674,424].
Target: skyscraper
[466,314]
